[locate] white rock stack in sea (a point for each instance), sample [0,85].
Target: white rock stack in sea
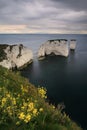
[73,44]
[16,56]
[57,47]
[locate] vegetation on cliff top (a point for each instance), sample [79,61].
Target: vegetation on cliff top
[2,52]
[24,107]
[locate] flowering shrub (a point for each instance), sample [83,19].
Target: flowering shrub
[18,108]
[23,107]
[42,92]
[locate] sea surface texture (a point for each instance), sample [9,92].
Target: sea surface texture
[64,78]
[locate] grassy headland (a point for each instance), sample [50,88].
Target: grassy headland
[24,107]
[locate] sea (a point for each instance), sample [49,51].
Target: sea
[64,78]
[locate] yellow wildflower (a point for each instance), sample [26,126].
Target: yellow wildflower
[10,113]
[21,115]
[9,107]
[17,123]
[25,104]
[28,99]
[22,107]
[8,95]
[35,111]
[27,118]
[21,87]
[14,101]
[9,110]
[24,89]
[31,106]
[41,109]
[35,101]
[42,92]
[4,101]
[53,107]
[4,110]
[18,95]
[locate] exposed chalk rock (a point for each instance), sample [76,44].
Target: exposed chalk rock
[57,47]
[15,56]
[72,44]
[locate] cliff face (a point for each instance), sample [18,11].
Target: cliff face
[58,47]
[15,56]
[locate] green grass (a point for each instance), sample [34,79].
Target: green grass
[50,118]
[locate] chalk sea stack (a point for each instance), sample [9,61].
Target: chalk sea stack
[56,47]
[73,44]
[15,56]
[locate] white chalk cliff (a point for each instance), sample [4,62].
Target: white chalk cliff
[16,56]
[57,47]
[72,44]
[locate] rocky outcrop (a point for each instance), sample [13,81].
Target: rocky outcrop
[15,56]
[57,47]
[72,44]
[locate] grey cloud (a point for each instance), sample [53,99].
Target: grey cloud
[45,14]
[73,4]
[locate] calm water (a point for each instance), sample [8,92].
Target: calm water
[64,78]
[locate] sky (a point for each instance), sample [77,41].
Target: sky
[43,16]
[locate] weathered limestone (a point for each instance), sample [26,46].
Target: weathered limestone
[57,47]
[72,44]
[16,56]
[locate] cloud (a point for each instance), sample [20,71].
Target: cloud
[76,5]
[43,16]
